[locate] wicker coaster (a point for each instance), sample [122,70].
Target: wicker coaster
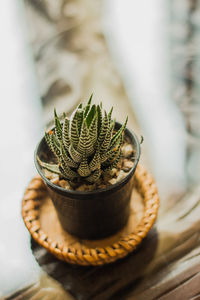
[41,220]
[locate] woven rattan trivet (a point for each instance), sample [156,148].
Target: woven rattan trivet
[41,220]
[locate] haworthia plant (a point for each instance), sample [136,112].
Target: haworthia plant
[86,145]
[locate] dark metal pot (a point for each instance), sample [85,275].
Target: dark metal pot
[91,214]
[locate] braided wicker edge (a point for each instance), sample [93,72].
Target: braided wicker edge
[36,190]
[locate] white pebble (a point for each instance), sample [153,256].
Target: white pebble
[127,150]
[128,164]
[121,175]
[113,172]
[65,184]
[49,174]
[55,180]
[112,181]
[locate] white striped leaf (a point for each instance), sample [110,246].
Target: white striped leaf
[104,128]
[106,143]
[55,145]
[117,136]
[110,114]
[110,155]
[93,130]
[80,113]
[58,126]
[95,162]
[94,176]
[84,169]
[48,141]
[87,108]
[91,115]
[73,129]
[114,163]
[54,168]
[75,155]
[68,173]
[99,118]
[85,143]
[68,161]
[66,139]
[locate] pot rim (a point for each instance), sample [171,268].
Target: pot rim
[99,191]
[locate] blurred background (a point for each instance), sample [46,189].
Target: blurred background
[142,57]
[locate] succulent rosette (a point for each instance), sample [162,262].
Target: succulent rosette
[86,145]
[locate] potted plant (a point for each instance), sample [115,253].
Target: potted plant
[87,163]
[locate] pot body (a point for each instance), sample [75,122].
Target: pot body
[91,214]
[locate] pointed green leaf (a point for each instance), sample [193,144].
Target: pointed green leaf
[85,143]
[110,155]
[110,114]
[114,163]
[99,118]
[58,126]
[104,128]
[84,169]
[75,155]
[90,99]
[95,162]
[94,176]
[67,172]
[80,113]
[93,130]
[55,145]
[66,139]
[91,115]
[88,106]
[67,160]
[106,143]
[118,134]
[50,167]
[73,129]
[48,141]
[113,124]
